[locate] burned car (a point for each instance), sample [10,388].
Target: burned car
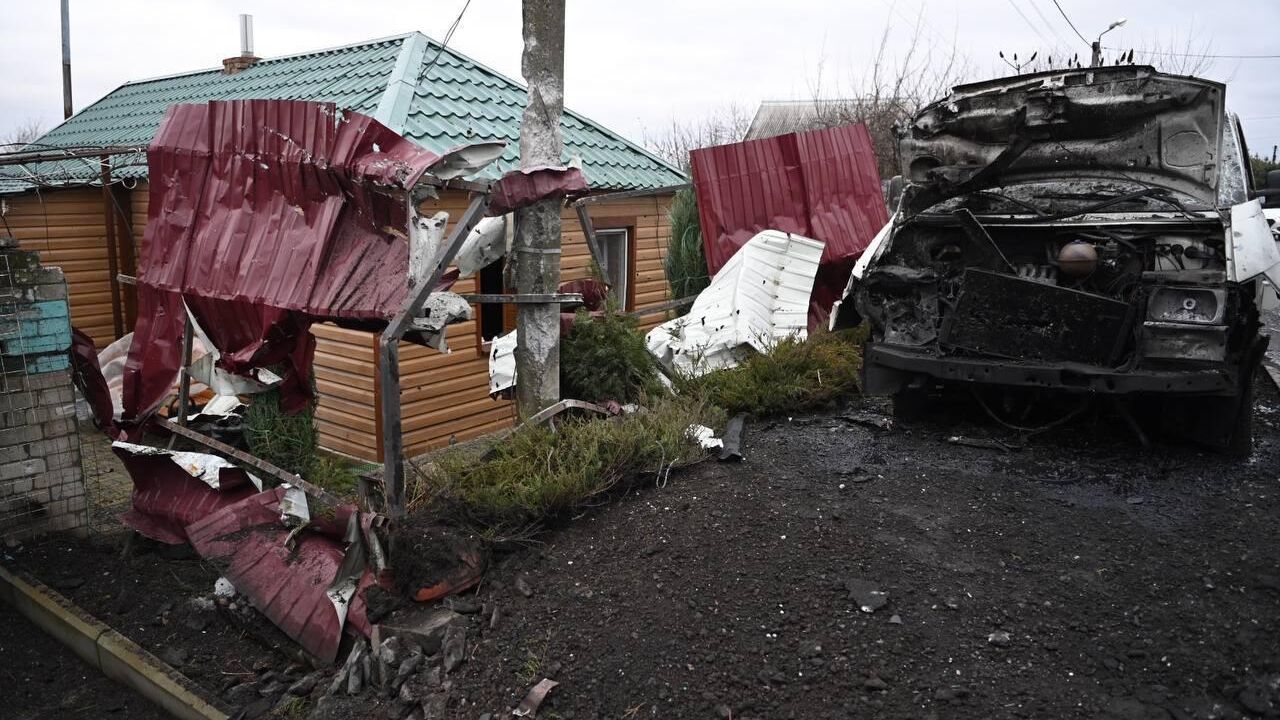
[1087,232]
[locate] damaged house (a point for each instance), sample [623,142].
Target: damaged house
[439,99]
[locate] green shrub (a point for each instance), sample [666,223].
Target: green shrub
[604,358]
[288,441]
[538,471]
[685,264]
[793,375]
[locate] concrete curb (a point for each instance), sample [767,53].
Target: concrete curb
[115,655]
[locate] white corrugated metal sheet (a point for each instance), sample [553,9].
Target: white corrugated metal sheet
[759,296]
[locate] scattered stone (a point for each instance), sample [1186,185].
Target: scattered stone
[493,619]
[455,647]
[486,716]
[305,686]
[895,619]
[522,587]
[274,689]
[723,711]
[222,588]
[866,594]
[1136,500]
[951,603]
[1000,638]
[175,656]
[408,666]
[426,632]
[462,605]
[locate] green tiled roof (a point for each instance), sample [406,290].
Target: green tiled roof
[457,102]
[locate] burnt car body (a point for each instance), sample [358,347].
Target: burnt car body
[1087,230]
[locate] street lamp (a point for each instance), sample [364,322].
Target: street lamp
[1097,44]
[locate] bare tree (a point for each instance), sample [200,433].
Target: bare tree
[894,88]
[728,124]
[21,134]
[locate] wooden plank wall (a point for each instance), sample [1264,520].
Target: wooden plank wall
[443,396]
[68,229]
[446,397]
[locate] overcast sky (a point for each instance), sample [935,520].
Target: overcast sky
[635,66]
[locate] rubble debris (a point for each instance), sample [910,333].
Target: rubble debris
[294,589]
[454,649]
[425,632]
[171,489]
[731,449]
[222,588]
[1000,638]
[704,436]
[759,296]
[983,443]
[529,706]
[869,419]
[527,185]
[351,264]
[745,187]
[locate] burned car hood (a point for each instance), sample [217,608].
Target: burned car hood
[1121,123]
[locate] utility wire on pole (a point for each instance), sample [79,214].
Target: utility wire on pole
[536,251]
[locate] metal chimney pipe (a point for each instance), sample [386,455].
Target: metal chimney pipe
[246,34]
[66,60]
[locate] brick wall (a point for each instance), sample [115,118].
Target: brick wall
[41,480]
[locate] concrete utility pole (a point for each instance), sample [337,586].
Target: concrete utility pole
[536,255]
[66,60]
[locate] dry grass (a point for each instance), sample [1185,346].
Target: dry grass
[509,487]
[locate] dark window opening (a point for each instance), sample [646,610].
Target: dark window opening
[492,316]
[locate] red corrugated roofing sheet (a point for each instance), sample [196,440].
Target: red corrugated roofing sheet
[286,583]
[821,184]
[267,214]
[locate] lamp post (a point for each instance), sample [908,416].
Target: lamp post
[1097,44]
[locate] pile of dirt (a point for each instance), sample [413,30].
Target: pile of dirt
[845,570]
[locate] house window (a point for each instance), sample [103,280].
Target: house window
[614,246]
[492,318]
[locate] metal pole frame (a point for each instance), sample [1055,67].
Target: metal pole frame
[389,358]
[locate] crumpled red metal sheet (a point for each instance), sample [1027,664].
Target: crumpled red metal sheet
[821,184]
[286,584]
[166,499]
[520,188]
[266,215]
[90,381]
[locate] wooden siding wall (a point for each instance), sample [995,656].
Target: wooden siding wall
[443,396]
[68,229]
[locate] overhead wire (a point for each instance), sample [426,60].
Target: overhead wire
[1073,25]
[1030,24]
[444,43]
[1203,55]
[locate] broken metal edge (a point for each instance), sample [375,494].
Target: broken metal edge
[111,653]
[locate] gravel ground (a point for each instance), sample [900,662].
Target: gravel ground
[1079,577]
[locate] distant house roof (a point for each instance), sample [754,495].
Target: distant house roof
[779,117]
[458,101]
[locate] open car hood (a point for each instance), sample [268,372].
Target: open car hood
[1118,123]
